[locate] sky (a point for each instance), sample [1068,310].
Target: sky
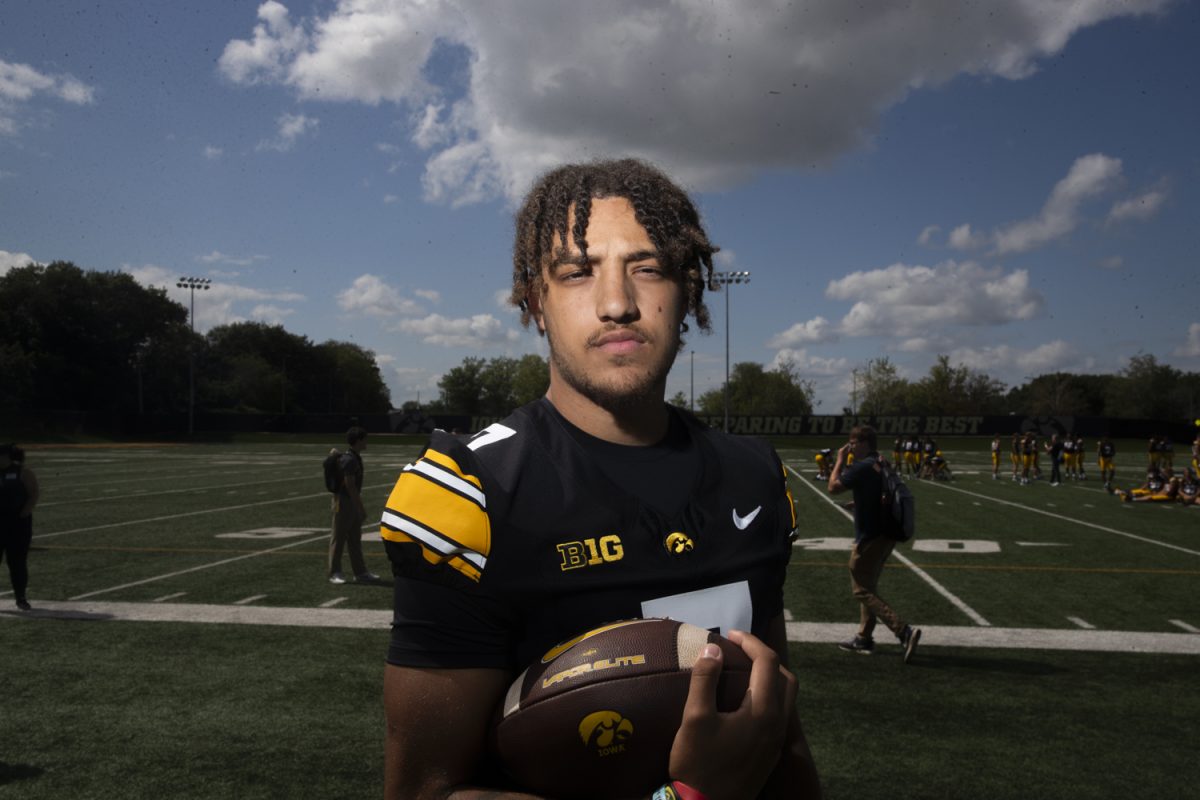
[1013,184]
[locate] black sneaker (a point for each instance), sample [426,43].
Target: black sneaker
[910,637]
[858,644]
[23,604]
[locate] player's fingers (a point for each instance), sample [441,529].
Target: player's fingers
[764,691]
[702,691]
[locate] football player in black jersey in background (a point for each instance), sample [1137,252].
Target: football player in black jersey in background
[609,260]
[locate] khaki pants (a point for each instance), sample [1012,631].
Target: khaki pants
[347,533]
[866,565]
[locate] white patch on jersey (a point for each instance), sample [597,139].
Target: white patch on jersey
[490,435]
[721,608]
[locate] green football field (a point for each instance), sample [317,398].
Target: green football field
[184,642]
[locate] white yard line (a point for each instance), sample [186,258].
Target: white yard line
[1178,623]
[1082,623]
[172,491]
[801,632]
[167,597]
[218,510]
[957,602]
[245,601]
[1070,519]
[210,565]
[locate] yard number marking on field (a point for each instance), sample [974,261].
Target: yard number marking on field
[975,616]
[1076,521]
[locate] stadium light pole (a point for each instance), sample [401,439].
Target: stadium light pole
[192,284]
[728,279]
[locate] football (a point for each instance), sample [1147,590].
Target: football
[595,717]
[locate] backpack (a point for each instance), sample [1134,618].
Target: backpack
[332,466]
[899,505]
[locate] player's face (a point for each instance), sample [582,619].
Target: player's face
[612,322]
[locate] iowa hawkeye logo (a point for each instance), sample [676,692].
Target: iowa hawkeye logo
[606,731]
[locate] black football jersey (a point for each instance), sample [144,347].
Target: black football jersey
[510,541]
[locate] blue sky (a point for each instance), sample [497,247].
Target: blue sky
[1013,184]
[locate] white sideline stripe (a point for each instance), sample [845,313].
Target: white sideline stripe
[198,568]
[975,616]
[196,513]
[799,632]
[167,597]
[1076,521]
[1181,624]
[1087,626]
[1016,638]
[170,491]
[245,601]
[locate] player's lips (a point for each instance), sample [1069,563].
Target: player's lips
[619,341]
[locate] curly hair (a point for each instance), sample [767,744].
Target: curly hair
[661,207]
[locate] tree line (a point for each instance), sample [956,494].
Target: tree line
[82,340]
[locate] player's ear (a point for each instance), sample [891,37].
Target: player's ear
[534,303]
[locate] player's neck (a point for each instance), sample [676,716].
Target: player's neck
[642,424]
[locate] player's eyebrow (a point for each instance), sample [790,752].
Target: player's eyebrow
[562,257]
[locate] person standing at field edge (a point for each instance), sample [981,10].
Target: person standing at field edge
[18,496]
[871,547]
[349,513]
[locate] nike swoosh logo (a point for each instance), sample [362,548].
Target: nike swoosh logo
[741,523]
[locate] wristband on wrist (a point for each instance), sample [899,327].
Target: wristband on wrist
[665,792]
[686,792]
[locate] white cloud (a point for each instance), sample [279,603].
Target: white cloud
[271,314]
[21,84]
[213,153]
[1144,206]
[220,304]
[1089,176]
[808,367]
[501,298]
[1191,348]
[480,330]
[291,128]
[391,199]
[370,295]
[813,331]
[963,238]
[907,301]
[646,77]
[928,233]
[1055,356]
[1111,262]
[217,257]
[432,295]
[12,260]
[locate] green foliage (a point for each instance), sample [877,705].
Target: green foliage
[494,387]
[73,338]
[754,390]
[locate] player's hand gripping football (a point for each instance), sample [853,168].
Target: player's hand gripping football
[729,756]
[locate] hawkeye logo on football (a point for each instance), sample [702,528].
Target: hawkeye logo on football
[590,552]
[606,731]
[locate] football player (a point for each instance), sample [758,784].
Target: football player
[1105,451]
[996,457]
[1159,487]
[1189,487]
[1196,454]
[824,459]
[596,503]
